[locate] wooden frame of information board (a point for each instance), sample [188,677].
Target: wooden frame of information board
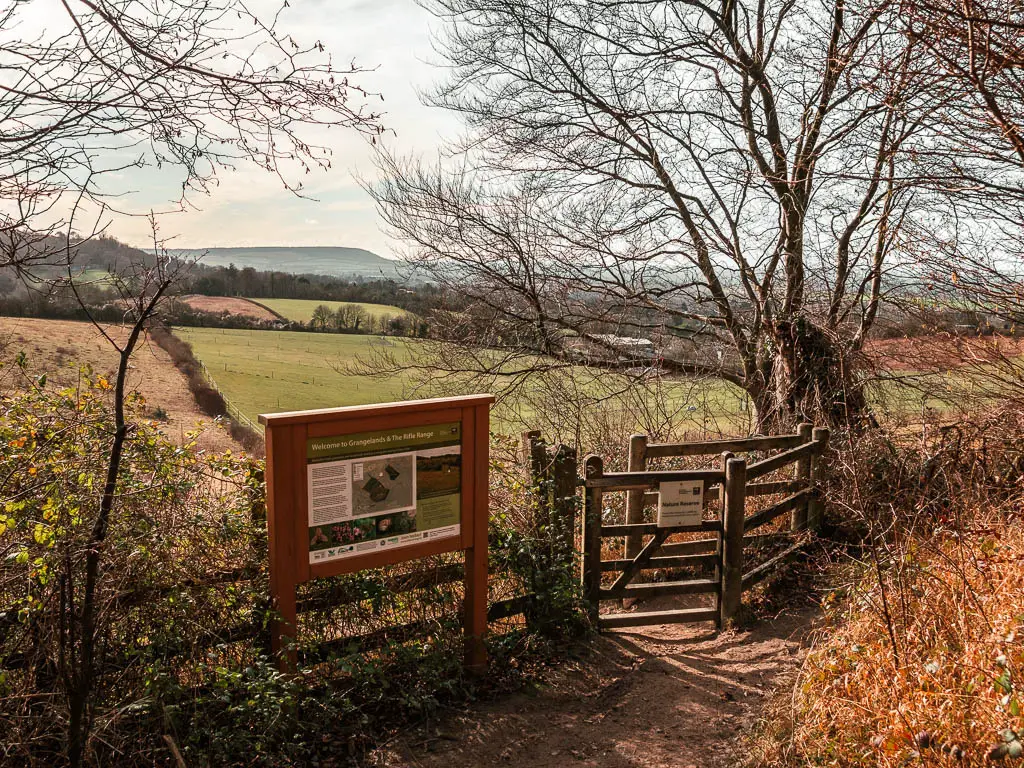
[293,441]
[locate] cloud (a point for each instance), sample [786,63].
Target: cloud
[250,206]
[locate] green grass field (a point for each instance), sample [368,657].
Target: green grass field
[265,371]
[268,371]
[301,310]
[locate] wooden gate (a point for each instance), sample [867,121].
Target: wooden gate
[721,554]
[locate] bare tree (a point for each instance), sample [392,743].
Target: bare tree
[321,316]
[973,267]
[350,316]
[979,46]
[80,580]
[111,85]
[731,178]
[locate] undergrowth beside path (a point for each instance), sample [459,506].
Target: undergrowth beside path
[920,660]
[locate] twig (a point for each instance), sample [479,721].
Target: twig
[178,759]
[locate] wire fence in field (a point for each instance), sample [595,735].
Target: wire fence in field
[233,410]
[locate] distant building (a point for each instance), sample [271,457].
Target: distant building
[628,347]
[610,348]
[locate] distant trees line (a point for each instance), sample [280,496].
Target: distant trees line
[104,308]
[99,297]
[265,284]
[352,318]
[102,253]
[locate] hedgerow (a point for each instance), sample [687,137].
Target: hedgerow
[920,656]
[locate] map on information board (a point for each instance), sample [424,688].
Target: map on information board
[382,490]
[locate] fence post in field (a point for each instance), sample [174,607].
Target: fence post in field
[635,498]
[536,457]
[565,500]
[720,548]
[732,539]
[593,467]
[802,473]
[816,507]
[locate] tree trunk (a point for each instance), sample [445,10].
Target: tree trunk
[807,378]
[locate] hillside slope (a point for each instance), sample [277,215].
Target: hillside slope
[301,260]
[58,347]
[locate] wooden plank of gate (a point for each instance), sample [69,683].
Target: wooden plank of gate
[662,588]
[780,460]
[732,540]
[642,558]
[757,574]
[782,486]
[652,528]
[593,466]
[636,498]
[648,618]
[625,481]
[683,561]
[770,513]
[668,450]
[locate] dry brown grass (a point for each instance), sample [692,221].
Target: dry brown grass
[58,348]
[949,692]
[920,661]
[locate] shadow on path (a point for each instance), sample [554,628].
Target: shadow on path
[660,696]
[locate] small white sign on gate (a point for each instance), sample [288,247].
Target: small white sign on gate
[680,503]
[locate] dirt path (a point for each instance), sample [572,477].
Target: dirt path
[663,697]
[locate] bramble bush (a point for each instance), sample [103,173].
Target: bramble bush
[181,518]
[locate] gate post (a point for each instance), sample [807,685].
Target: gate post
[593,468]
[815,507]
[719,548]
[802,472]
[535,456]
[635,498]
[732,540]
[565,499]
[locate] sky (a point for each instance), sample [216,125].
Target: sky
[249,207]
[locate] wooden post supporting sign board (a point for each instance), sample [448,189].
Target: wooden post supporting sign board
[374,485]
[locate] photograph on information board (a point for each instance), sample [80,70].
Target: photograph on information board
[382,490]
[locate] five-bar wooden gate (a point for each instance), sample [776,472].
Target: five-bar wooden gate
[647,546]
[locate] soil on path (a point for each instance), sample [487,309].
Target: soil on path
[658,697]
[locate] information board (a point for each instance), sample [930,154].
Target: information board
[680,503]
[368,486]
[383,490]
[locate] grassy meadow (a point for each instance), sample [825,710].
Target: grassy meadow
[267,371]
[301,310]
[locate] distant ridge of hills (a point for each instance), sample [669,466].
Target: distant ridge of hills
[316,260]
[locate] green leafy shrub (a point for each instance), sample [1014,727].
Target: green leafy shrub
[183,662]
